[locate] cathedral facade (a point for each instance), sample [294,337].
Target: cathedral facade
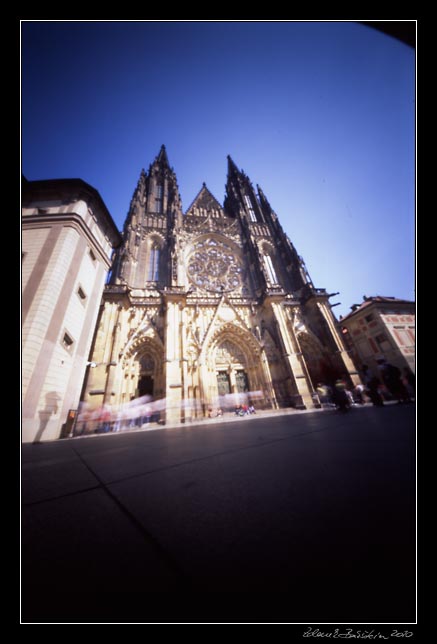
[208,303]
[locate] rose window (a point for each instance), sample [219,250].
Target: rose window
[213,266]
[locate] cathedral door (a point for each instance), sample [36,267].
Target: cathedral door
[145,386]
[230,362]
[147,373]
[223,383]
[242,381]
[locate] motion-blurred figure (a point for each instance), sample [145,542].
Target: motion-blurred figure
[391,377]
[372,384]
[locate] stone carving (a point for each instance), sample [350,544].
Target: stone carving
[229,353]
[213,266]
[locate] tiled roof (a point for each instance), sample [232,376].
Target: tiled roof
[376,299]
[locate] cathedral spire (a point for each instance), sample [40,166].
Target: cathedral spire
[262,198]
[162,157]
[232,168]
[240,197]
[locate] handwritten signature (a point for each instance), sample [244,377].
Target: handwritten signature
[350,633]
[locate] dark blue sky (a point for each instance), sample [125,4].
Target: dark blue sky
[321,115]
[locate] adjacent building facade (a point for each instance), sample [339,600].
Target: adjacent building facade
[210,302]
[67,241]
[382,327]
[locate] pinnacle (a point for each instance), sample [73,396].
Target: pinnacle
[231,165]
[162,156]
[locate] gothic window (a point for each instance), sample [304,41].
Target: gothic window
[271,273]
[249,206]
[213,266]
[158,197]
[153,274]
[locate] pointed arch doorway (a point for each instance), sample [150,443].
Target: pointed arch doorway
[146,375]
[231,367]
[143,372]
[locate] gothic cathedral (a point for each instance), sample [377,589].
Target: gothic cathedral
[210,302]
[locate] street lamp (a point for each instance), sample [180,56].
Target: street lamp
[93,365]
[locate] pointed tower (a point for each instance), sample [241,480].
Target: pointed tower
[144,259]
[297,316]
[130,344]
[240,199]
[279,265]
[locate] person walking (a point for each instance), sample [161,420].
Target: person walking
[391,377]
[340,396]
[409,380]
[372,384]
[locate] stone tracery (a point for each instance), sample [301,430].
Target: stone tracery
[227,353]
[214,266]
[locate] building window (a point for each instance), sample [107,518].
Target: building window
[67,341]
[158,197]
[383,342]
[271,273]
[93,257]
[153,275]
[369,318]
[81,293]
[249,207]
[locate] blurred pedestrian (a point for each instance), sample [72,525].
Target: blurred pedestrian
[83,419]
[340,397]
[372,384]
[391,377]
[359,394]
[409,380]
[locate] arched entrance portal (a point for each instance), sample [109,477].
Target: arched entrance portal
[231,369]
[146,376]
[143,372]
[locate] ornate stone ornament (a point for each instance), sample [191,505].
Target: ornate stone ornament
[228,353]
[213,266]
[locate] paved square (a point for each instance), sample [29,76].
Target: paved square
[318,507]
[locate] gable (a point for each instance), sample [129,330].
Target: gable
[205,204]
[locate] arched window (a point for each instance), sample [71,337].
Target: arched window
[249,206]
[271,273]
[159,197]
[153,274]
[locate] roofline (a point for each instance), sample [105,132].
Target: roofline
[386,301]
[44,186]
[204,187]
